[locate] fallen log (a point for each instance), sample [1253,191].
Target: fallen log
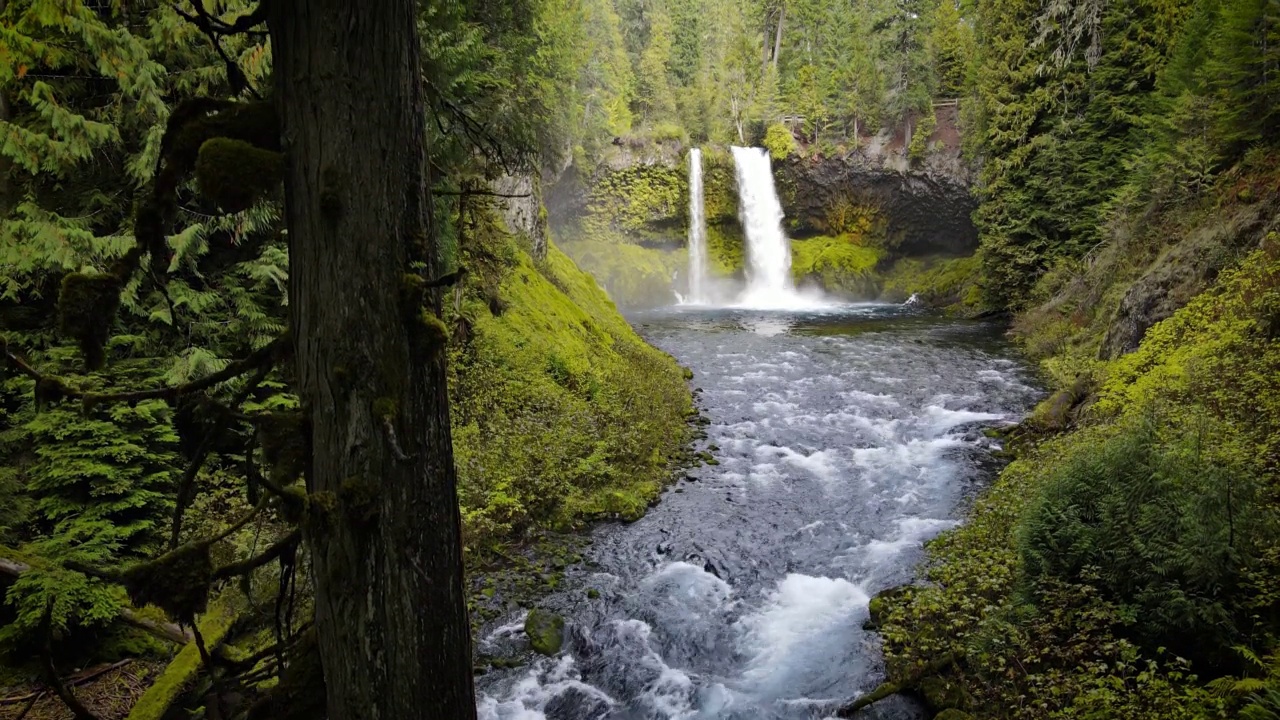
[167,631]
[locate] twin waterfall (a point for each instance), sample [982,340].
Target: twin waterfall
[697,232]
[768,251]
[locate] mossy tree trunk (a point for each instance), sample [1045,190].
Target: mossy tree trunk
[383,522]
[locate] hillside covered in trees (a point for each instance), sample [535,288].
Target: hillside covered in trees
[240,324]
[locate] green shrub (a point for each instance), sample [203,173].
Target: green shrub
[779,141]
[927,123]
[667,131]
[1169,531]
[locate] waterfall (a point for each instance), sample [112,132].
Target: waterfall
[697,232]
[769,282]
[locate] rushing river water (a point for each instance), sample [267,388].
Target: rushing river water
[845,440]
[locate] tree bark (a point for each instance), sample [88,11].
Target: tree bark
[383,524]
[777,40]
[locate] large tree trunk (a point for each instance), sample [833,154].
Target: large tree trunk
[383,522]
[777,40]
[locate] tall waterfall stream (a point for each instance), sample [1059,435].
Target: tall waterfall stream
[846,438]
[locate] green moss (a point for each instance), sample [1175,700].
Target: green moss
[385,407]
[236,174]
[181,673]
[436,332]
[545,631]
[561,413]
[726,252]
[177,582]
[719,188]
[642,200]
[837,264]
[950,283]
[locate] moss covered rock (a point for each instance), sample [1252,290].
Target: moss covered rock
[837,264]
[545,631]
[953,714]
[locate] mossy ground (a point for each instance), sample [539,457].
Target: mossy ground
[561,413]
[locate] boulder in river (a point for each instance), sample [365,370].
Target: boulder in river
[545,630]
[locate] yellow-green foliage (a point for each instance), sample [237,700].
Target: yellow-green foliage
[779,141]
[725,251]
[925,126]
[950,283]
[1070,648]
[1221,351]
[633,275]
[561,412]
[837,264]
[640,199]
[846,217]
[719,187]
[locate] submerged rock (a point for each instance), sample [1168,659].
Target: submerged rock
[545,630]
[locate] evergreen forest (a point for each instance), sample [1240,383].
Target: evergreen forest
[337,358]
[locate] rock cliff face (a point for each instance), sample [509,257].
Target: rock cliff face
[924,207]
[1185,269]
[522,209]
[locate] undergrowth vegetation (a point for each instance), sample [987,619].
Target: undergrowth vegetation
[1128,568]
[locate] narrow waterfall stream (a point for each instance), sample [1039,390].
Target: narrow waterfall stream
[846,438]
[697,233]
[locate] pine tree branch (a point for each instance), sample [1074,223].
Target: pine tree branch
[264,356]
[202,453]
[270,554]
[215,29]
[163,630]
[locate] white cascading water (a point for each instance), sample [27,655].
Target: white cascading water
[769,282]
[697,232]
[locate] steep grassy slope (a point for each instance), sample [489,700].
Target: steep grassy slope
[561,412]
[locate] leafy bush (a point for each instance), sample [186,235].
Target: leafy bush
[779,141]
[1169,531]
[927,123]
[667,131]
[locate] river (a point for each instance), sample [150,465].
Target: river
[845,439]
